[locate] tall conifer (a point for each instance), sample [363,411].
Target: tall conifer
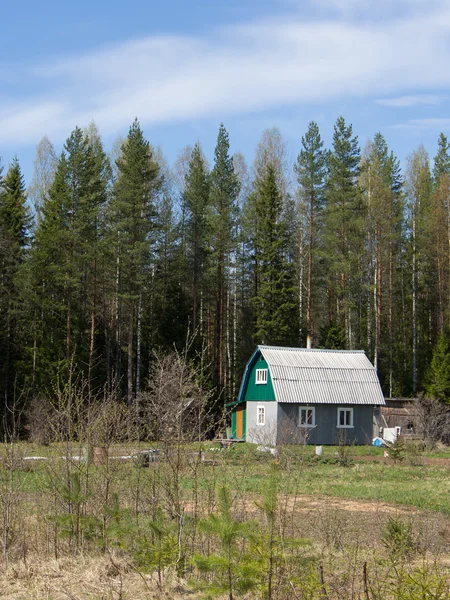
[132,214]
[223,212]
[274,302]
[343,230]
[311,173]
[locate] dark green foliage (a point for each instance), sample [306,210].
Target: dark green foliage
[65,263]
[120,264]
[397,450]
[442,159]
[223,213]
[398,539]
[132,238]
[311,175]
[438,376]
[234,572]
[344,228]
[196,202]
[15,223]
[158,549]
[274,301]
[14,214]
[332,336]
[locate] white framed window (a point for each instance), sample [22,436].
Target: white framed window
[306,416]
[261,415]
[261,376]
[345,417]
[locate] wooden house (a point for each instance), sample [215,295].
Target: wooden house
[304,395]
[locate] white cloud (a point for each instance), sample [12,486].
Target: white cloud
[371,11]
[411,101]
[242,69]
[424,124]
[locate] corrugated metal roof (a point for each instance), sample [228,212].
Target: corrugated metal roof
[312,376]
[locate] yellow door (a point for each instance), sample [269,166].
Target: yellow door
[239,422]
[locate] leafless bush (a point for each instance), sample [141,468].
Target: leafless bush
[108,421]
[265,436]
[433,421]
[290,433]
[175,407]
[39,418]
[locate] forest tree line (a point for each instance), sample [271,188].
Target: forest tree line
[107,258]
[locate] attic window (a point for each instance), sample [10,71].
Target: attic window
[261,376]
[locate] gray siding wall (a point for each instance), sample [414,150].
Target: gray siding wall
[262,434]
[326,430]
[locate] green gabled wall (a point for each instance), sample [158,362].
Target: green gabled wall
[260,392]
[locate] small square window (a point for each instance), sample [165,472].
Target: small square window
[307,416]
[261,376]
[261,415]
[345,417]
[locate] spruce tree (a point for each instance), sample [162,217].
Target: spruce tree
[274,300]
[438,376]
[66,259]
[15,222]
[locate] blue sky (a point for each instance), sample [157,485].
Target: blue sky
[184,66]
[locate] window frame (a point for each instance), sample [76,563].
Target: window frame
[306,408]
[261,379]
[258,414]
[345,409]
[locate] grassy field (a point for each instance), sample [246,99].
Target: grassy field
[143,527]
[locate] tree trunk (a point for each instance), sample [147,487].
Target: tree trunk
[130,357]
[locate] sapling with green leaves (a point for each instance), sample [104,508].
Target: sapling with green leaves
[232,570]
[272,547]
[158,548]
[70,522]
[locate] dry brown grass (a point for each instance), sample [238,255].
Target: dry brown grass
[84,578]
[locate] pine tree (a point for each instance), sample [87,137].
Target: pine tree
[132,217]
[196,201]
[223,194]
[442,159]
[233,572]
[343,231]
[311,173]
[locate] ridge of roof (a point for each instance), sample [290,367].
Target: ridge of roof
[284,348]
